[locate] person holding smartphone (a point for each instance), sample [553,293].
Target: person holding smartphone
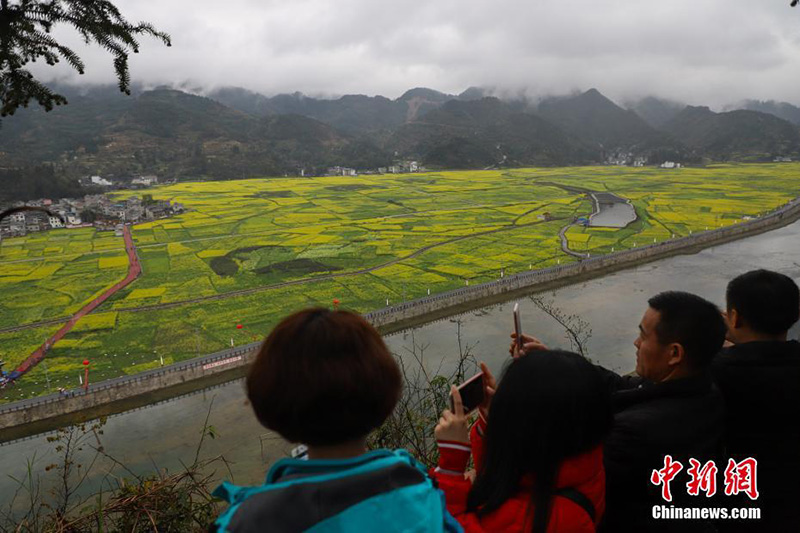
[670,407]
[536,447]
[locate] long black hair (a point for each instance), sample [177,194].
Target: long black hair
[549,406]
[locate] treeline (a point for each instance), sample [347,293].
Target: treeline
[39,181]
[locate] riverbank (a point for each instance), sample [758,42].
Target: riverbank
[42,414]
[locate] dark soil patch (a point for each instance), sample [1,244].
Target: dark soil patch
[224,266]
[247,249]
[354,187]
[272,194]
[567,188]
[296,266]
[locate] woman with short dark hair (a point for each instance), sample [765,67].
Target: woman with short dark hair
[537,449]
[326,379]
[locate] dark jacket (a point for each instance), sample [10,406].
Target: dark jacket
[761,385]
[682,418]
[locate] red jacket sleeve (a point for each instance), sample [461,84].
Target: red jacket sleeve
[476,441]
[449,475]
[453,461]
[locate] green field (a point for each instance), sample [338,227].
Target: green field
[381,237]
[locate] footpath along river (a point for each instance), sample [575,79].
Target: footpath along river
[166,434]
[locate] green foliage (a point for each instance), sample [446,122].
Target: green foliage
[25,33]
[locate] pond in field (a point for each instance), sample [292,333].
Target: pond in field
[167,434]
[611,211]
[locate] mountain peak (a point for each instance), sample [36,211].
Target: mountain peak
[473,93]
[599,121]
[596,97]
[425,94]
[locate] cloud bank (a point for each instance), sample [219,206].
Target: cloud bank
[697,51]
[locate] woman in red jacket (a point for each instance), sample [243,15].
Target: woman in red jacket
[537,449]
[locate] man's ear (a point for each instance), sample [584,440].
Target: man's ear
[677,354]
[734,320]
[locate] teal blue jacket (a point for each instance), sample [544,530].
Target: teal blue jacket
[383,490]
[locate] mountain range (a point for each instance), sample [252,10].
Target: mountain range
[234,133]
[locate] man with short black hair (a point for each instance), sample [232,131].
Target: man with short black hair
[670,408]
[759,376]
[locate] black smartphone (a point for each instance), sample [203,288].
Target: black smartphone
[517,326]
[471,393]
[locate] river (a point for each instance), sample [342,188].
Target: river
[167,434]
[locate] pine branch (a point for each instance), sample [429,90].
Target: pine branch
[25,37]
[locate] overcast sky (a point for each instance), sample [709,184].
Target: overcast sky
[696,51]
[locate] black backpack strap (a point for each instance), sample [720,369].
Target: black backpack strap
[578,497]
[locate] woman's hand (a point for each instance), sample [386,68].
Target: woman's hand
[489,388]
[529,344]
[453,426]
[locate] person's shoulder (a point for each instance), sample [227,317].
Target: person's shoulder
[697,397]
[307,493]
[758,352]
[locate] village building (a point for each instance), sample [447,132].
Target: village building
[340,171]
[97,180]
[145,181]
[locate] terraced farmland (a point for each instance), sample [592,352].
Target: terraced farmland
[251,251]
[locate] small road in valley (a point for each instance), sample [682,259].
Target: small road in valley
[134,270]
